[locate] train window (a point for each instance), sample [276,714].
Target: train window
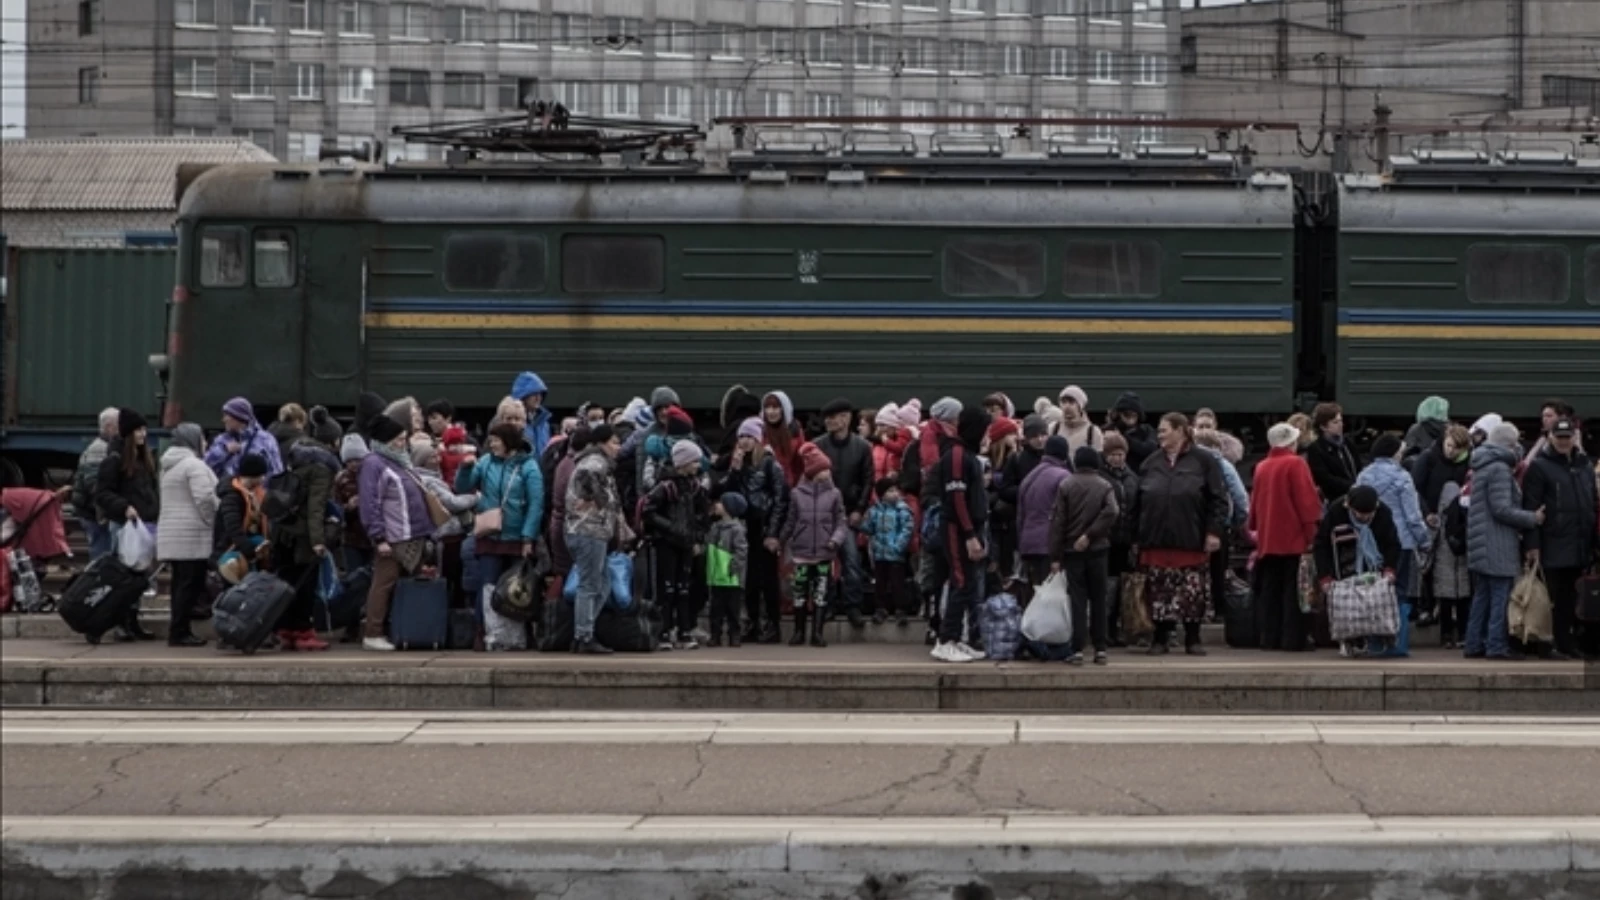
[1112,269]
[993,267]
[1518,273]
[494,261]
[613,264]
[221,257]
[1591,275]
[274,257]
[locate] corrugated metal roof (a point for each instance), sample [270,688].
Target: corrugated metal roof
[108,173]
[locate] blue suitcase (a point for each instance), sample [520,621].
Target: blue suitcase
[419,616]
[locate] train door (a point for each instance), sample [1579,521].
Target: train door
[335,302]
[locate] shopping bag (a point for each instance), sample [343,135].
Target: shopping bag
[619,566]
[1000,621]
[328,586]
[1308,593]
[1363,606]
[515,596]
[1529,615]
[136,547]
[1048,619]
[1135,615]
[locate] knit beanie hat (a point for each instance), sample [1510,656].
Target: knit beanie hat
[663,396]
[911,413]
[686,453]
[751,428]
[129,421]
[1504,435]
[424,456]
[601,434]
[455,434]
[1035,426]
[638,412]
[1086,459]
[971,426]
[1076,394]
[733,503]
[253,465]
[1363,498]
[837,405]
[239,408]
[947,409]
[1385,447]
[323,427]
[1280,435]
[1057,448]
[679,424]
[352,448]
[384,428]
[889,415]
[400,411]
[814,460]
[1002,428]
[1433,409]
[1114,442]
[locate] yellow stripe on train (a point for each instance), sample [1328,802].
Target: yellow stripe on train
[1472,332]
[908,325]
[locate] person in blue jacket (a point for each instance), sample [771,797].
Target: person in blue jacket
[508,480]
[529,390]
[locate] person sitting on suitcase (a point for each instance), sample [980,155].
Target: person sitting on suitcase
[1357,535]
[675,515]
[242,531]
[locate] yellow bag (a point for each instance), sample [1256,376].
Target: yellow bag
[1530,613]
[1135,616]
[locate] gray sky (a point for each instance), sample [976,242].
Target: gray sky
[12,71]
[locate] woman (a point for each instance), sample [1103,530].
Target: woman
[594,525]
[1443,463]
[510,412]
[752,472]
[1284,515]
[127,491]
[290,427]
[1334,465]
[1433,420]
[1496,523]
[396,516]
[301,540]
[1183,513]
[1308,434]
[510,485]
[782,435]
[241,435]
[189,507]
[1004,437]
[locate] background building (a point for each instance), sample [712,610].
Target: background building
[292,74]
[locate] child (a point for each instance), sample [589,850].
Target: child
[674,520]
[1125,487]
[814,530]
[727,559]
[456,451]
[889,523]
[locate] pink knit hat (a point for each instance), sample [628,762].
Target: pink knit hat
[750,428]
[889,415]
[911,413]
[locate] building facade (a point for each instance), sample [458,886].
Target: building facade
[291,75]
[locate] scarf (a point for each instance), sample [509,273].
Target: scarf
[928,448]
[400,458]
[1368,557]
[254,521]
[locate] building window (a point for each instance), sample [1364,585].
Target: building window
[305,15]
[89,85]
[623,33]
[777,103]
[673,37]
[463,90]
[618,99]
[496,261]
[1017,57]
[1112,269]
[409,21]
[1151,132]
[194,76]
[463,25]
[966,56]
[1105,66]
[962,110]
[966,5]
[408,87]
[921,54]
[724,40]
[992,267]
[222,257]
[722,102]
[252,80]
[872,106]
[252,13]
[875,50]
[1103,132]
[1148,12]
[613,264]
[261,137]
[1013,7]
[825,105]
[1152,69]
[304,146]
[776,46]
[194,12]
[1060,7]
[517,92]
[919,109]
[1518,273]
[1105,10]
[1063,62]
[569,30]
[308,81]
[88,16]
[675,102]
[519,28]
[357,16]
[1059,132]
[822,47]
[574,95]
[274,257]
[356,84]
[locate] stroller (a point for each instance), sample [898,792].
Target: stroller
[31,529]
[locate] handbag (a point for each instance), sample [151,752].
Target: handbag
[437,514]
[1529,615]
[1588,611]
[488,523]
[1135,615]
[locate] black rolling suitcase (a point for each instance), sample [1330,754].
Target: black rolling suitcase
[100,597]
[247,612]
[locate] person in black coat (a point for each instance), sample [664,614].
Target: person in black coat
[1127,419]
[1560,480]
[1444,462]
[1035,431]
[1336,544]
[960,558]
[128,491]
[851,457]
[1334,466]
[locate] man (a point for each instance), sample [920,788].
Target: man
[1561,481]
[441,415]
[1035,431]
[593,521]
[851,457]
[529,390]
[83,486]
[964,512]
[1551,412]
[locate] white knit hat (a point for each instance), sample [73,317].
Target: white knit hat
[1282,435]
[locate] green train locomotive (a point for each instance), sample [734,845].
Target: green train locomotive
[1192,281]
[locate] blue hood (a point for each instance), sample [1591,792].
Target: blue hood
[526,385]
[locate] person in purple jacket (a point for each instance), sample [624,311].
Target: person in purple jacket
[395,514]
[1036,500]
[241,436]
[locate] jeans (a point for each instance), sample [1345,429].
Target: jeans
[1486,623]
[1086,588]
[99,537]
[594,583]
[851,590]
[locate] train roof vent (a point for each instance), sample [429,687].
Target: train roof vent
[1169,151]
[1537,158]
[1063,148]
[967,145]
[865,142]
[789,143]
[1449,157]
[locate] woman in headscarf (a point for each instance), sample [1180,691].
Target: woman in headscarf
[1433,418]
[1182,515]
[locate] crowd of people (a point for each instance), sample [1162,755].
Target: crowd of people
[925,513]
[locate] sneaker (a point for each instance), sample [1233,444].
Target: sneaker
[951,653]
[684,642]
[969,650]
[379,644]
[307,641]
[1075,659]
[1100,658]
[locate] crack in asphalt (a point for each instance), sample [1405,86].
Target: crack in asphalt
[700,765]
[902,784]
[116,776]
[1126,792]
[1322,764]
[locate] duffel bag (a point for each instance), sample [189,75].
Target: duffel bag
[246,614]
[633,630]
[100,597]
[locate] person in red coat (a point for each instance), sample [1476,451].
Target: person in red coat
[1284,514]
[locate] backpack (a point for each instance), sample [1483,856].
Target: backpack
[1455,528]
[285,495]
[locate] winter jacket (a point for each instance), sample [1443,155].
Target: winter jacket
[888,453]
[1086,504]
[760,480]
[188,507]
[347,487]
[655,456]
[1451,578]
[1424,436]
[513,485]
[891,526]
[1036,503]
[1238,497]
[1284,509]
[286,434]
[459,506]
[1126,482]
[727,554]
[83,479]
[252,440]
[914,480]
[1397,491]
[537,431]
[852,469]
[675,513]
[1015,472]
[239,519]
[1496,521]
[963,502]
[1181,502]
[1142,443]
[1431,472]
[1337,542]
[115,490]
[1565,487]
[1333,467]
[815,527]
[316,467]
[556,534]
[392,506]
[593,509]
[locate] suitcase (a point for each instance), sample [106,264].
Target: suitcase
[100,597]
[419,616]
[1239,615]
[247,612]
[463,629]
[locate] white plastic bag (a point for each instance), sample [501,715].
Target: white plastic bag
[499,632]
[136,547]
[1048,619]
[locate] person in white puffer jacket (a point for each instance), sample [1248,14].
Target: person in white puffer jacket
[184,540]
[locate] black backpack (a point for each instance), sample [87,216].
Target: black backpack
[1455,528]
[285,495]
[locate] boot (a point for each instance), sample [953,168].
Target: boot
[770,634]
[752,632]
[136,630]
[798,639]
[817,623]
